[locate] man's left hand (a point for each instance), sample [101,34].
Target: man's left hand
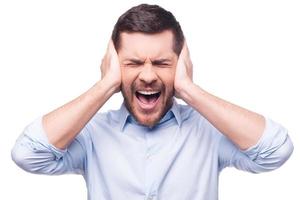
[184,72]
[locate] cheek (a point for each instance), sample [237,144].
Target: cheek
[126,77]
[168,78]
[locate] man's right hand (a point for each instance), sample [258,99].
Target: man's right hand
[64,123]
[110,68]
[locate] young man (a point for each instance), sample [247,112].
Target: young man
[152,147]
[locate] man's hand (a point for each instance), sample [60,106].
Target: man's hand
[184,72]
[110,68]
[64,123]
[241,126]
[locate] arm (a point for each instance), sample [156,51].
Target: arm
[64,131]
[271,151]
[250,142]
[240,125]
[63,124]
[243,127]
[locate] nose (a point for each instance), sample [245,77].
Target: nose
[148,74]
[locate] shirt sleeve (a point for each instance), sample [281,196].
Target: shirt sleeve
[271,151]
[33,152]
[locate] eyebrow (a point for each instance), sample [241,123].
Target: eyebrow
[135,61]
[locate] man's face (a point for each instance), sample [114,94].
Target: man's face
[148,65]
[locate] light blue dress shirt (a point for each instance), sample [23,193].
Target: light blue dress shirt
[178,159]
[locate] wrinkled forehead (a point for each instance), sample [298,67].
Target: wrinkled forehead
[147,46]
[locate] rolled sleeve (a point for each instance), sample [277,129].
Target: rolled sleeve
[273,148]
[36,132]
[271,151]
[33,152]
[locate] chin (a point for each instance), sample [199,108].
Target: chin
[149,121]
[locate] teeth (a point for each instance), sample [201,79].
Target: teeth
[148,92]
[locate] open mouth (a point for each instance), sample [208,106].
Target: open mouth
[147,99]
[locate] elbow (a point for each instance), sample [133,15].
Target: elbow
[285,151]
[26,157]
[19,157]
[33,153]
[277,158]
[34,157]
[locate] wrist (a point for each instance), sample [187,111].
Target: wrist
[101,91]
[110,85]
[184,88]
[191,93]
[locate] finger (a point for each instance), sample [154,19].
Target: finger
[108,45]
[108,53]
[187,60]
[103,67]
[111,47]
[185,50]
[185,55]
[190,72]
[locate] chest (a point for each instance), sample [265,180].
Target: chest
[181,160]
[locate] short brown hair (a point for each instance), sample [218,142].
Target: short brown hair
[149,19]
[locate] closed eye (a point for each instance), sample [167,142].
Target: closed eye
[162,62]
[159,64]
[134,63]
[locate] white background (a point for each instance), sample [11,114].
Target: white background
[247,52]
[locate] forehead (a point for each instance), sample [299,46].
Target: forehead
[141,45]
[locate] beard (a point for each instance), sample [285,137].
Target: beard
[144,117]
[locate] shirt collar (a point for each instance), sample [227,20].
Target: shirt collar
[176,111]
[125,114]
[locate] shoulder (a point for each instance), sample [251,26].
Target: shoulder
[109,117]
[188,113]
[192,118]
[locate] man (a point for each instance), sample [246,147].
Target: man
[152,147]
